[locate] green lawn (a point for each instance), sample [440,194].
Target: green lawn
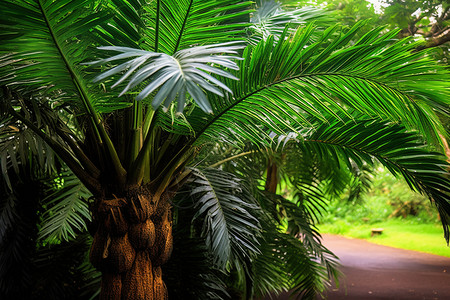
[397,233]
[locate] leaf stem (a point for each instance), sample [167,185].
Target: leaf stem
[230,158]
[182,27]
[158,11]
[101,134]
[90,182]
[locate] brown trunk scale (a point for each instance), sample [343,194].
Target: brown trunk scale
[132,241]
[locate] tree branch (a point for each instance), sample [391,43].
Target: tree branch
[437,40]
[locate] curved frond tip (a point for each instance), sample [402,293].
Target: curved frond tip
[187,71]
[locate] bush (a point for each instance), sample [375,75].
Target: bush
[388,197]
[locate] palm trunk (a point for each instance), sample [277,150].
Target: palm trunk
[272,177]
[133,240]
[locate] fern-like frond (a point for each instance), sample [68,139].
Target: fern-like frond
[181,24]
[43,44]
[19,144]
[285,264]
[66,209]
[226,210]
[285,86]
[400,151]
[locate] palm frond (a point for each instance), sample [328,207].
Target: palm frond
[271,19]
[43,44]
[18,144]
[312,177]
[298,223]
[361,182]
[227,212]
[285,264]
[45,134]
[66,210]
[189,273]
[291,83]
[128,25]
[187,71]
[90,287]
[402,152]
[182,24]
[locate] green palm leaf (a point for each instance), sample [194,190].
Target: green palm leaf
[400,151]
[43,44]
[66,211]
[286,264]
[291,83]
[182,24]
[314,179]
[272,17]
[19,145]
[227,213]
[128,24]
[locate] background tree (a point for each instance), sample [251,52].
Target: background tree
[427,20]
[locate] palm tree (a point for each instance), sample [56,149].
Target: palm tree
[352,101]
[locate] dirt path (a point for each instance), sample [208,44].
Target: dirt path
[380,272]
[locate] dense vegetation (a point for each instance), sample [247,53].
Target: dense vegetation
[408,219]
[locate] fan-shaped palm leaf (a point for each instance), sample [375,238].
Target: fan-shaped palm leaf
[176,75]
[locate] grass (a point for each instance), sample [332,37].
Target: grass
[398,233]
[409,220]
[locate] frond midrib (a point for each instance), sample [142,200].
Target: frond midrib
[242,99]
[77,82]
[219,205]
[188,11]
[378,156]
[100,133]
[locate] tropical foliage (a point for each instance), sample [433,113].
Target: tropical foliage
[426,19]
[249,98]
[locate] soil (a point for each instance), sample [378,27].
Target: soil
[378,272]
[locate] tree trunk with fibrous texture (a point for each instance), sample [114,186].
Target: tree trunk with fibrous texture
[132,241]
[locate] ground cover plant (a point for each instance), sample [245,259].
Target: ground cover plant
[408,219]
[404,234]
[215,101]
